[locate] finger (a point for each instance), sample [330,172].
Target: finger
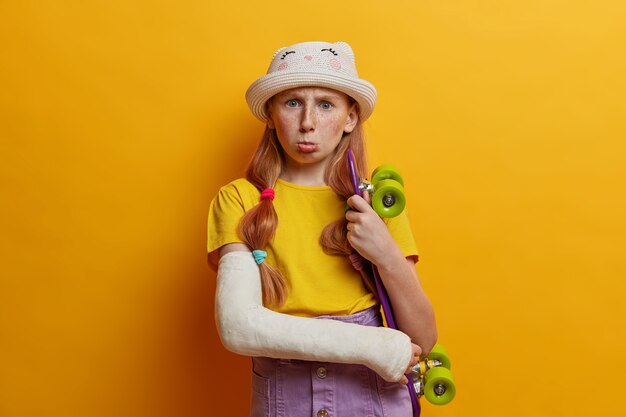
[404,380]
[417,351]
[366,197]
[352,215]
[358,203]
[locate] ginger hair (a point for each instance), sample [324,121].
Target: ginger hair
[258,225]
[334,237]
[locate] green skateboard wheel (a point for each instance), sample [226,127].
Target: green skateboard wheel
[439,388]
[388,199]
[386,172]
[440,354]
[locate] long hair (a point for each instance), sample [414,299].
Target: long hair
[258,225]
[334,237]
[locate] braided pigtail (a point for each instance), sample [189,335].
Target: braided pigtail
[334,238]
[258,225]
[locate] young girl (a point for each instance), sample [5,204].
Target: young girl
[288,243]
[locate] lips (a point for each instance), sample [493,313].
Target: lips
[307,147]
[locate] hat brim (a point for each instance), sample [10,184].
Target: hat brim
[271,84]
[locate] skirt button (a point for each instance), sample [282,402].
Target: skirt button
[322,413]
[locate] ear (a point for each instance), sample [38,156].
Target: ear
[353,118]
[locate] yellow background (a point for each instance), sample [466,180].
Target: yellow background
[119,120]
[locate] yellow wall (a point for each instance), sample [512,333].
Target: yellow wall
[119,121]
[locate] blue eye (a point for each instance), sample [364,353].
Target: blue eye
[326,106]
[292,103]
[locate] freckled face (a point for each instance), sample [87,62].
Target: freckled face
[310,122]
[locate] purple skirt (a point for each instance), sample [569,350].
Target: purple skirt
[295,388]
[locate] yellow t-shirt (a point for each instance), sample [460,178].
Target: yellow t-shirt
[317,283]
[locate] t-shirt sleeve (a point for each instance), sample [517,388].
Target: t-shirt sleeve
[225,211]
[400,229]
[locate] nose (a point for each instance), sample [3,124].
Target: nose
[307,122]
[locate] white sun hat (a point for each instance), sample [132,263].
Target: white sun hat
[314,64]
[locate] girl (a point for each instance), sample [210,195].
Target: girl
[288,243]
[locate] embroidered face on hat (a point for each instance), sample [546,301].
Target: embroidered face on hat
[313,56]
[322,64]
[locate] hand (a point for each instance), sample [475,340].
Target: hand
[417,351]
[367,232]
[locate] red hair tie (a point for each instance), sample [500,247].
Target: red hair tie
[267,193]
